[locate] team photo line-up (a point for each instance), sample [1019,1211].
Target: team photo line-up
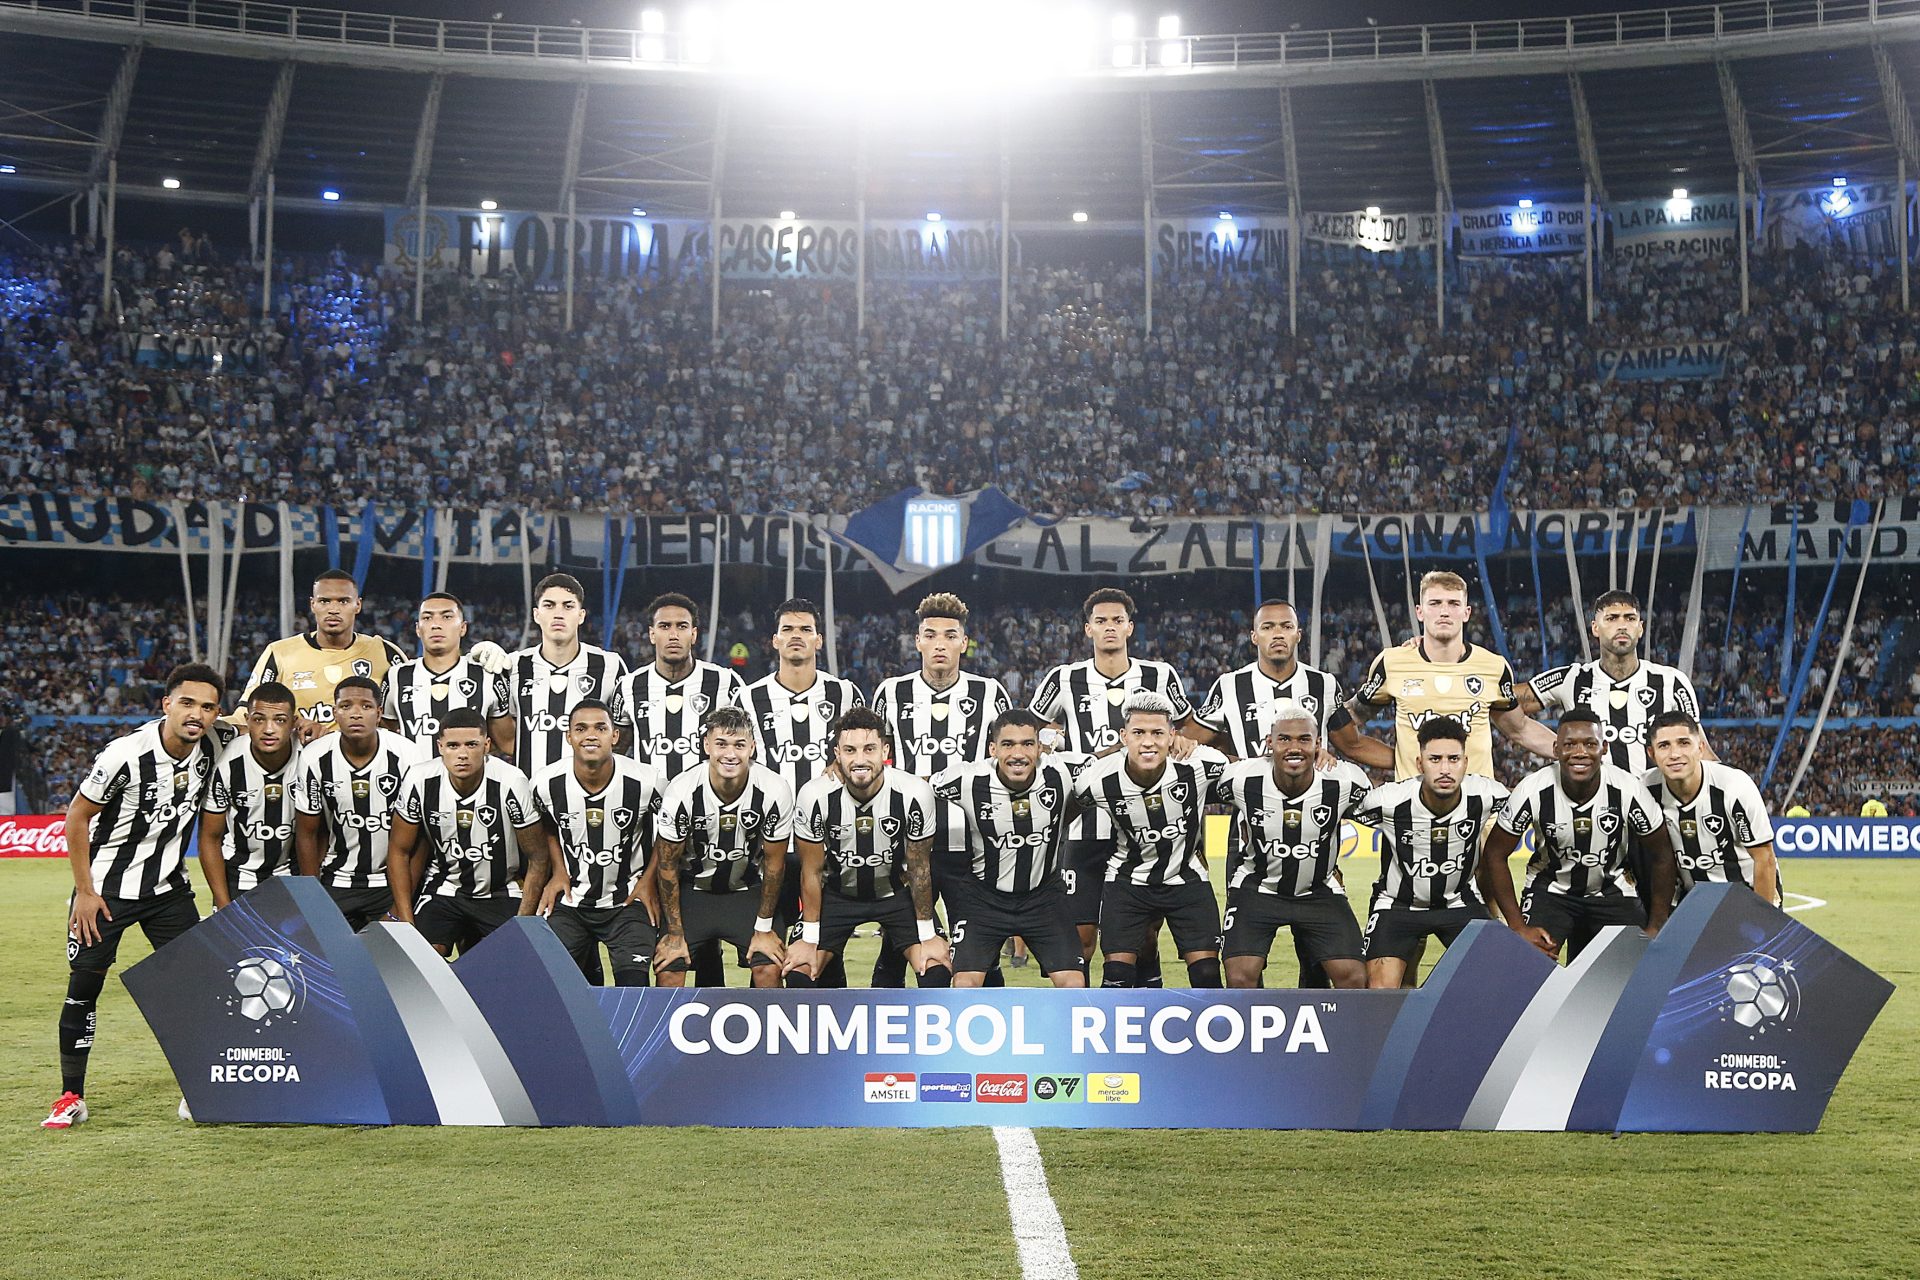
[657,813]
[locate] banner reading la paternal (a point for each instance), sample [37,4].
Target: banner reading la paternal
[1698,227]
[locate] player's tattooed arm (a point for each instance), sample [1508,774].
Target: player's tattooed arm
[1658,846]
[773,870]
[537,853]
[1496,881]
[401,840]
[920,876]
[672,947]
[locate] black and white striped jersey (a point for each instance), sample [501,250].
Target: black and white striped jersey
[1626,708]
[605,836]
[1159,832]
[1013,837]
[1240,704]
[258,804]
[793,728]
[936,729]
[1289,844]
[355,806]
[724,842]
[1427,860]
[1580,849]
[1086,705]
[1715,833]
[666,714]
[148,802]
[472,841]
[866,844]
[541,696]
[418,699]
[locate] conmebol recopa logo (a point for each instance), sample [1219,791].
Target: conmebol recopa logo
[891,1086]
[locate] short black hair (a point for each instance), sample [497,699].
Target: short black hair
[1014,718]
[1275,602]
[1580,715]
[1444,728]
[799,604]
[1106,595]
[1608,598]
[1670,720]
[368,683]
[861,718]
[673,600]
[336,575]
[561,582]
[590,704]
[456,601]
[464,718]
[196,673]
[274,692]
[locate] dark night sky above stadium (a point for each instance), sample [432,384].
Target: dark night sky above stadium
[1199,16]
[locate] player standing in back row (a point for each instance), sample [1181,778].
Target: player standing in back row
[313,663]
[938,718]
[421,691]
[1082,701]
[128,831]
[545,682]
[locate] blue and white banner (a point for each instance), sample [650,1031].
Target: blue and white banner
[1662,362]
[1371,229]
[1697,226]
[1510,230]
[532,246]
[1855,219]
[1220,246]
[913,535]
[1846,837]
[1736,1018]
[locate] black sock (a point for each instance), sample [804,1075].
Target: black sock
[994,978]
[1118,973]
[708,968]
[1203,973]
[937,975]
[799,981]
[890,970]
[834,975]
[77,1017]
[1149,967]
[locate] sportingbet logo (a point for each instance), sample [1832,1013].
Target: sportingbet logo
[1000,1088]
[1114,1086]
[42,836]
[891,1086]
[944,1087]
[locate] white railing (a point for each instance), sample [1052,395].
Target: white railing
[1143,56]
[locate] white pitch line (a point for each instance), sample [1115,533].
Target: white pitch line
[1037,1229]
[1806,903]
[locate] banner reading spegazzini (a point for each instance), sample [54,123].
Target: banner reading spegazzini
[271,1010]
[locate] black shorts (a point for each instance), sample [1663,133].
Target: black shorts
[985,917]
[1398,933]
[362,907]
[461,922]
[627,933]
[1128,912]
[1575,921]
[162,918]
[1324,922]
[1083,873]
[719,917]
[840,916]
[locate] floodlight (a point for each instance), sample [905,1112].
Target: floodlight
[330,194]
[1373,211]
[1679,193]
[1526,204]
[933,217]
[1079,215]
[1839,182]
[653,29]
[787,215]
[171,184]
[639,213]
[7,168]
[489,205]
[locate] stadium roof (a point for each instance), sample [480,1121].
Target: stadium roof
[373,102]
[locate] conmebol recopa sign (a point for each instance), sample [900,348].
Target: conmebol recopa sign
[1847,837]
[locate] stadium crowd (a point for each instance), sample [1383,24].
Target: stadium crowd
[491,402]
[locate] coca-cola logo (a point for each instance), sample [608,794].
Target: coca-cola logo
[999,1088]
[34,836]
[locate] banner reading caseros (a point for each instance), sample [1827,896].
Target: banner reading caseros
[1671,361]
[1501,230]
[809,249]
[272,1011]
[1379,232]
[533,245]
[1219,246]
[1855,220]
[230,354]
[1700,227]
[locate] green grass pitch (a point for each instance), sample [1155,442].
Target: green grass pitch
[136,1192]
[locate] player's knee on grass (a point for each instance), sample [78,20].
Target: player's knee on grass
[1089,934]
[766,974]
[969,979]
[1346,975]
[1203,972]
[1119,973]
[1065,978]
[1244,972]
